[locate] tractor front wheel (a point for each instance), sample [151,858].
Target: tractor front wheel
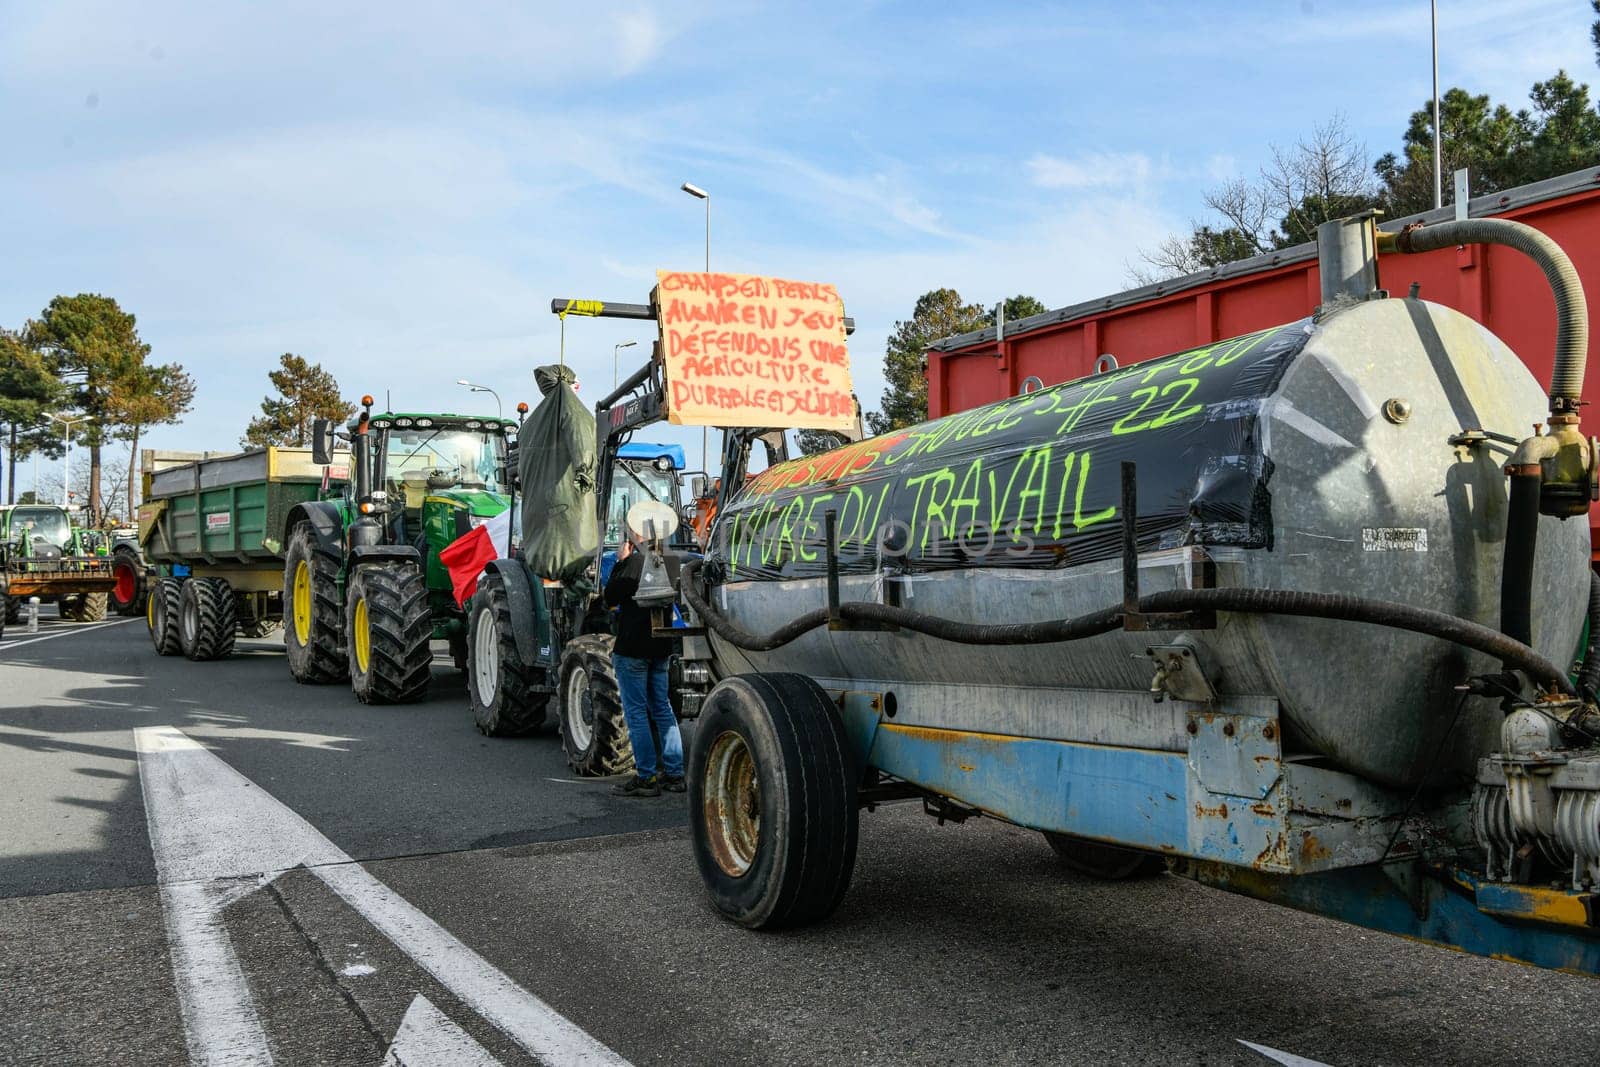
[83,607]
[208,619]
[593,730]
[388,630]
[313,612]
[499,688]
[772,801]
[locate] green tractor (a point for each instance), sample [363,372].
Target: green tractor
[43,554]
[364,591]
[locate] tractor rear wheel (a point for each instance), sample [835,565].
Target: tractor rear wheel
[388,629]
[313,611]
[772,801]
[83,607]
[129,594]
[13,608]
[1108,863]
[208,619]
[161,615]
[594,733]
[500,689]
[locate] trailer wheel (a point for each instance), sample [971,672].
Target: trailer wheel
[161,615]
[208,619]
[499,688]
[389,629]
[129,594]
[83,607]
[1108,863]
[594,733]
[772,801]
[313,611]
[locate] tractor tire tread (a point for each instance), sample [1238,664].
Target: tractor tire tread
[517,708]
[322,659]
[400,659]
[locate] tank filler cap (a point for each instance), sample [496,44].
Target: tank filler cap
[1397,409]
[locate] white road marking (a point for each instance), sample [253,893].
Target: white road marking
[427,1038]
[207,822]
[1288,1059]
[65,633]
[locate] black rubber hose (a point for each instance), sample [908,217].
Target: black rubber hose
[1589,673]
[1516,571]
[1514,654]
[1572,311]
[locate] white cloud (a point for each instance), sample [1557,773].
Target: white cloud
[1092,170]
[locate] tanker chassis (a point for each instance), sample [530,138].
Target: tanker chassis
[1265,614]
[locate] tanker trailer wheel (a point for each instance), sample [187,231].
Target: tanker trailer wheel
[208,619]
[594,733]
[128,596]
[499,688]
[772,800]
[313,610]
[83,607]
[1109,863]
[161,615]
[389,627]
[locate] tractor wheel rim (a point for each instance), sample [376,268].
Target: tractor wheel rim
[732,804]
[301,594]
[126,583]
[579,706]
[362,633]
[486,655]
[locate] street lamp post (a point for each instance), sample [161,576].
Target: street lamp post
[700,194]
[1438,135]
[66,459]
[498,409]
[615,349]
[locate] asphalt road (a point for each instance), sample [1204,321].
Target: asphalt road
[385,885]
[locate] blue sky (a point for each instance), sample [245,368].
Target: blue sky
[398,190]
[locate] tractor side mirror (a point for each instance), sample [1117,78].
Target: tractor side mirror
[322,442]
[699,486]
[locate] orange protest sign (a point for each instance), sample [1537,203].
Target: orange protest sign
[747,350]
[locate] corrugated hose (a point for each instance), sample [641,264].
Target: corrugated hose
[1240,601]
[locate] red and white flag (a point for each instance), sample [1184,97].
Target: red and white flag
[467,555]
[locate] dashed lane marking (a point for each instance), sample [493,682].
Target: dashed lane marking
[79,629]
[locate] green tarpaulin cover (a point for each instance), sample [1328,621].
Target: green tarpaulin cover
[556,475]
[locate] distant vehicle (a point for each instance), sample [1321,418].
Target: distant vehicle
[42,554]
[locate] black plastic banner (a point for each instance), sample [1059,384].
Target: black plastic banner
[1032,481]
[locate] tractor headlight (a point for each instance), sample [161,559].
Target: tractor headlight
[423,423]
[663,463]
[402,422]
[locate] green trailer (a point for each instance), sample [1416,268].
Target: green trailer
[212,527]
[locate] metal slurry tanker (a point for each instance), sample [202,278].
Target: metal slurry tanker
[1266,613]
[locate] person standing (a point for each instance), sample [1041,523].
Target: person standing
[640,662]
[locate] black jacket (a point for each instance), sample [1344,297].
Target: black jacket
[633,622]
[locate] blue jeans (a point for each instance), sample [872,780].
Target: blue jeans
[643,685]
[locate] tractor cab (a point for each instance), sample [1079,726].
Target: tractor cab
[641,471]
[36,530]
[433,468]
